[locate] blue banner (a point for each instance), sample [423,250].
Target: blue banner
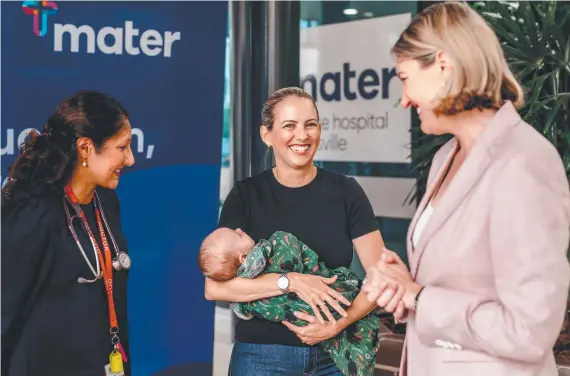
[165,62]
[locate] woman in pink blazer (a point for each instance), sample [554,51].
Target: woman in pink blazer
[488,282]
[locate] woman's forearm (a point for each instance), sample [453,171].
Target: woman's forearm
[369,249]
[240,290]
[359,308]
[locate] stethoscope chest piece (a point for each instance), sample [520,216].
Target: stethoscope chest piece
[122,261]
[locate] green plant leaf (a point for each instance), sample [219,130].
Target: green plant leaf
[527,12]
[551,117]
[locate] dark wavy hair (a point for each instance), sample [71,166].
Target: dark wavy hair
[46,160]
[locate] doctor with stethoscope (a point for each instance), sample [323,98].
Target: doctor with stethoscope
[64,256]
[121,259]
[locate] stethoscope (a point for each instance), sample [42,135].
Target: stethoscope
[120,261]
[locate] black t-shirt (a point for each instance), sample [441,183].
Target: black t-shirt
[326,214]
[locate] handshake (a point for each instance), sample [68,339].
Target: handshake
[391,286]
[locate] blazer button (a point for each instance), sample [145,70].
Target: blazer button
[440,343]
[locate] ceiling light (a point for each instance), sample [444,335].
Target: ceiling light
[350,11]
[368,14]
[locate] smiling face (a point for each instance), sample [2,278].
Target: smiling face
[106,164]
[422,88]
[295,132]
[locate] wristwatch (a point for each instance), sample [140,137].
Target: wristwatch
[283,283]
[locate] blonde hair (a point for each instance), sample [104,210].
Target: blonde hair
[481,77]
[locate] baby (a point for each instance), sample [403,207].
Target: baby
[226,254]
[222,253]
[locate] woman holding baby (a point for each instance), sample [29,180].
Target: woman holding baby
[488,281]
[328,211]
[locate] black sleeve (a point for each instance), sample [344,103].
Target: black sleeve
[27,257]
[234,211]
[361,218]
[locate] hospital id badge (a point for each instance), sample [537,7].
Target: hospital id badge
[109,373]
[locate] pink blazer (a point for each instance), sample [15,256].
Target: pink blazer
[493,258]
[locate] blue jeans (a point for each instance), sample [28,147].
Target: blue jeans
[250,359]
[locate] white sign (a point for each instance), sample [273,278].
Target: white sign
[348,69]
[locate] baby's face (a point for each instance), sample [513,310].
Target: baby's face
[238,240]
[244,243]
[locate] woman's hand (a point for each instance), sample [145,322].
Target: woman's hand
[314,291]
[315,331]
[400,313]
[387,293]
[389,282]
[395,274]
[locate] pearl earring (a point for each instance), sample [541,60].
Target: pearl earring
[84,164]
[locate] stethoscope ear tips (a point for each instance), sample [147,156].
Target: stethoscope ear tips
[85,280]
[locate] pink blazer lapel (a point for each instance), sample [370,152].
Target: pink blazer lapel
[412,251]
[466,178]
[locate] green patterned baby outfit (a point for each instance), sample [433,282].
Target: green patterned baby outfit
[354,349]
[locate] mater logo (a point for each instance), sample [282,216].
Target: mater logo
[39,10]
[109,40]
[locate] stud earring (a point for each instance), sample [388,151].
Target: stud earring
[84,164]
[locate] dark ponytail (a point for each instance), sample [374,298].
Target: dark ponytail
[46,160]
